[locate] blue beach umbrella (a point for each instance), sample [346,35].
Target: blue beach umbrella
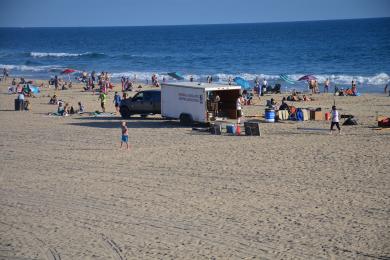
[34,89]
[176,75]
[285,78]
[242,82]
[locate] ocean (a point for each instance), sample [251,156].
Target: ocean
[341,50]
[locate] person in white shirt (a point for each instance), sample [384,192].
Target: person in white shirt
[335,119]
[239,103]
[264,87]
[21,96]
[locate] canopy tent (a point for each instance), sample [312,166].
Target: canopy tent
[242,82]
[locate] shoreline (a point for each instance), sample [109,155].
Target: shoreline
[368,89]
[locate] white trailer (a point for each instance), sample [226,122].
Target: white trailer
[196,102]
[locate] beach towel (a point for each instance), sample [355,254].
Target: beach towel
[99,114]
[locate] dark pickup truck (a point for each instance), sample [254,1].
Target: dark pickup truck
[143,103]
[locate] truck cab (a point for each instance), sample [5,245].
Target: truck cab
[144,103]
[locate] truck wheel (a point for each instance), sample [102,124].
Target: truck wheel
[185,119]
[125,112]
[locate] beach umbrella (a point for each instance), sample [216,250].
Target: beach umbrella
[34,89]
[285,78]
[307,78]
[176,75]
[68,72]
[242,82]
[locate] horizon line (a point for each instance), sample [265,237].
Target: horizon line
[200,24]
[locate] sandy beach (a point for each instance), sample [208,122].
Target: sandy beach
[68,192]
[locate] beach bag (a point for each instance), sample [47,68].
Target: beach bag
[384,122]
[216,129]
[299,115]
[350,121]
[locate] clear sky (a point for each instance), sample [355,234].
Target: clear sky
[53,13]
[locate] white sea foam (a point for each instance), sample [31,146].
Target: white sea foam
[378,79]
[30,68]
[61,54]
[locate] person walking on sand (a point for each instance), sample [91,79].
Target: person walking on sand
[125,135]
[239,104]
[335,119]
[117,101]
[103,100]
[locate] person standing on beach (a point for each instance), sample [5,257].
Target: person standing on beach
[335,119]
[103,100]
[125,135]
[264,87]
[326,86]
[239,104]
[117,101]
[5,75]
[56,82]
[386,88]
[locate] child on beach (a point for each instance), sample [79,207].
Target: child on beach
[125,135]
[335,119]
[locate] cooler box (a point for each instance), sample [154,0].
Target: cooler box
[327,116]
[231,129]
[316,115]
[216,130]
[252,128]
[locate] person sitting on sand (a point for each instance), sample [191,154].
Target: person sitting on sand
[354,90]
[53,100]
[284,105]
[306,98]
[60,109]
[348,92]
[66,109]
[13,82]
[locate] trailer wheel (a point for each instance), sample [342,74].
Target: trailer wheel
[125,112]
[185,119]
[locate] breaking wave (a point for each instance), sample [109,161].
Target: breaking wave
[31,68]
[65,54]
